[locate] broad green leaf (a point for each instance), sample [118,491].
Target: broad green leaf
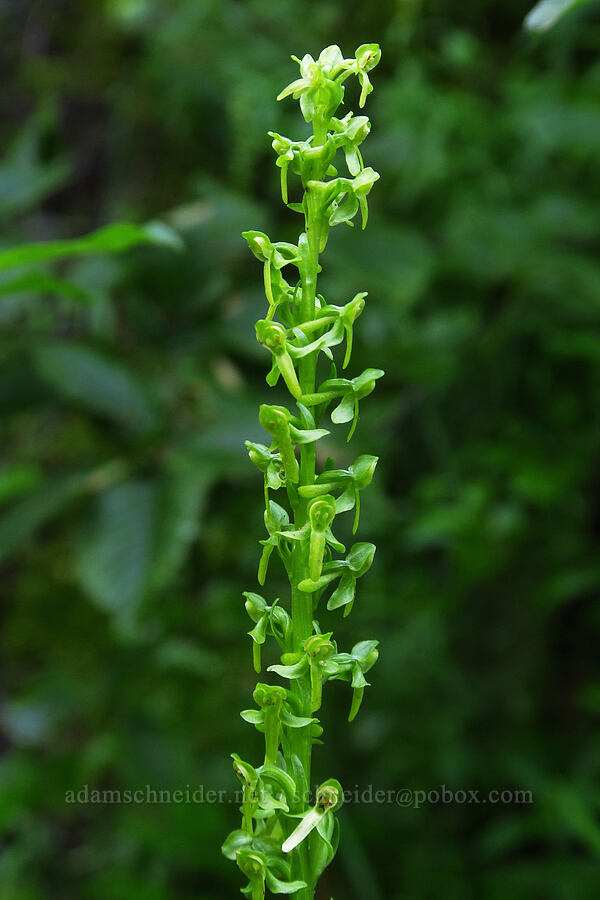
[98,383]
[109,239]
[548,12]
[21,520]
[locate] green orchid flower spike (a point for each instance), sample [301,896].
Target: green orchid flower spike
[285,842]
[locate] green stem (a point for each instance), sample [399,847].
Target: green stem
[302,603]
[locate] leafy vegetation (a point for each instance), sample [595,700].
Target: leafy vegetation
[130,382]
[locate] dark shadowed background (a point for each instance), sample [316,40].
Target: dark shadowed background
[130,515]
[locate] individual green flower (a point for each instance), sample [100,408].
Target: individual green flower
[259,868]
[276,519]
[361,186]
[321,513]
[273,713]
[367,57]
[273,336]
[318,649]
[342,318]
[269,620]
[349,133]
[285,150]
[352,667]
[354,479]
[330,797]
[348,570]
[275,420]
[249,778]
[350,390]
[275,257]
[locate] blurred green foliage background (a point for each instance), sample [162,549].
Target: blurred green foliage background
[130,515]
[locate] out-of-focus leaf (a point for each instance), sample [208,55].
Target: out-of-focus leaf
[140,537]
[29,514]
[24,178]
[18,479]
[576,814]
[187,656]
[103,385]
[110,239]
[113,560]
[43,282]
[545,14]
[179,502]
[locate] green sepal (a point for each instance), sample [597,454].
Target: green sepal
[259,632]
[254,717]
[283,887]
[344,593]
[236,840]
[360,557]
[276,518]
[263,563]
[272,376]
[357,698]
[308,586]
[291,721]
[292,672]
[333,541]
[258,635]
[307,436]
[299,776]
[255,605]
[245,772]
[281,779]
[344,412]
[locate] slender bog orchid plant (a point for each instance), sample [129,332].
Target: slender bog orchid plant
[285,841]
